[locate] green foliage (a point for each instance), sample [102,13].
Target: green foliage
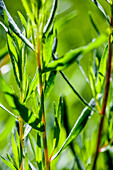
[39,130]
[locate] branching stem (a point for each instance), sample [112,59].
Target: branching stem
[47,163]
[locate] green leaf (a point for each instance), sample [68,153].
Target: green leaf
[102,70]
[27,9]
[38,152]
[9,164]
[56,132]
[27,115]
[50,83]
[51,17]
[14,58]
[78,126]
[26,161]
[101,9]
[24,23]
[73,55]
[48,48]
[33,85]
[13,25]
[8,111]
[19,148]
[9,158]
[15,151]
[92,82]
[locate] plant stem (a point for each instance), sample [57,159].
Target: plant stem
[21,134]
[108,75]
[47,163]
[21,138]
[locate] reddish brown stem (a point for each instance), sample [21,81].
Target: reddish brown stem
[47,163]
[105,96]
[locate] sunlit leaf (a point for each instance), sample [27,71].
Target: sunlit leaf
[50,83]
[26,161]
[15,151]
[27,9]
[51,17]
[78,126]
[9,164]
[9,158]
[101,9]
[32,85]
[24,23]
[92,82]
[76,54]
[14,58]
[8,111]
[102,71]
[27,115]
[38,152]
[13,25]
[19,148]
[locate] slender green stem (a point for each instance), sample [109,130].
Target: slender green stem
[21,134]
[21,138]
[105,96]
[78,95]
[47,163]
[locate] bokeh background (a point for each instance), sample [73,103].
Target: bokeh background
[74,30]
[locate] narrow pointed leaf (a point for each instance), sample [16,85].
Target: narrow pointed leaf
[9,164]
[38,152]
[51,17]
[102,70]
[27,9]
[33,85]
[14,58]
[13,25]
[19,148]
[26,161]
[73,55]
[24,23]
[101,9]
[9,158]
[27,115]
[8,111]
[50,83]
[15,151]
[77,128]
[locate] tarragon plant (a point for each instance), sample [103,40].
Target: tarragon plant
[39,37]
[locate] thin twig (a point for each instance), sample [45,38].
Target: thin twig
[105,96]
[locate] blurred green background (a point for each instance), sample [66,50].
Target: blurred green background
[74,30]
